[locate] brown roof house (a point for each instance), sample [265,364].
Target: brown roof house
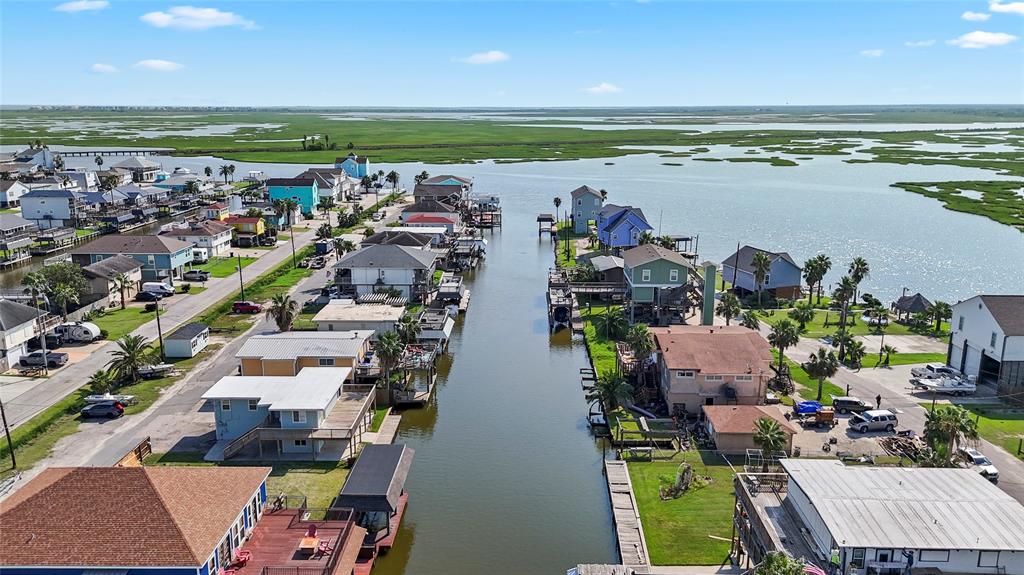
[711,365]
[733,426]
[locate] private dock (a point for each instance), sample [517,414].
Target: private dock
[546,224]
[629,532]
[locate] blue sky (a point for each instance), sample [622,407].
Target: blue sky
[627,53]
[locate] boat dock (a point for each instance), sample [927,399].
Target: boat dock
[629,532]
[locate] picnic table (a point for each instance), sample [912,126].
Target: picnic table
[309,543]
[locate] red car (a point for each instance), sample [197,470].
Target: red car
[246,307]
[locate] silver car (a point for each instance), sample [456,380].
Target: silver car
[874,420]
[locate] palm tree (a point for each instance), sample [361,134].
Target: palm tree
[283,310]
[939,312]
[421,176]
[393,178]
[728,307]
[36,285]
[324,232]
[102,382]
[612,322]
[762,264]
[290,205]
[855,352]
[192,187]
[123,284]
[859,271]
[604,194]
[610,391]
[224,172]
[842,339]
[843,294]
[887,351]
[389,351]
[99,162]
[946,428]
[802,313]
[667,242]
[813,274]
[824,264]
[208,171]
[132,353]
[343,246]
[646,238]
[821,365]
[751,320]
[231,171]
[558,204]
[641,343]
[62,295]
[408,329]
[783,335]
[770,438]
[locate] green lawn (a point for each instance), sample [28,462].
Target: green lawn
[378,417]
[679,531]
[10,211]
[871,359]
[147,391]
[119,322]
[855,325]
[79,232]
[602,350]
[806,386]
[221,267]
[999,424]
[320,482]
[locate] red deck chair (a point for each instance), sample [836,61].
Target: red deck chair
[311,532]
[325,548]
[241,558]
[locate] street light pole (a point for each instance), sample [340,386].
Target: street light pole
[241,284]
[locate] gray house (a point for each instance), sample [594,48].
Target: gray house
[586,204]
[378,267]
[783,279]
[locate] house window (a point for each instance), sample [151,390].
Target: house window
[225,405]
[684,374]
[712,378]
[300,443]
[988,559]
[992,341]
[253,404]
[960,322]
[211,565]
[744,378]
[673,275]
[857,560]
[645,275]
[579,202]
[935,555]
[298,417]
[767,279]
[325,361]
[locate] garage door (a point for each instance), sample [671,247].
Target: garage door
[955,356]
[973,363]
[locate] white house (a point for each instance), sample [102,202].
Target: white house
[34,158]
[11,192]
[382,266]
[987,340]
[103,275]
[50,208]
[17,327]
[211,235]
[187,341]
[85,179]
[346,315]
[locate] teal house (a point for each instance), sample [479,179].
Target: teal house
[355,166]
[586,205]
[162,258]
[303,190]
[655,275]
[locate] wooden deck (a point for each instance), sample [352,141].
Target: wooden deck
[274,545]
[628,530]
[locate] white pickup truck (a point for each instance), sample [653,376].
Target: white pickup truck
[935,371]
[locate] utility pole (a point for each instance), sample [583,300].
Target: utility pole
[241,284]
[7,432]
[159,331]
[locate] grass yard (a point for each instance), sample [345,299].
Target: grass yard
[318,481]
[147,391]
[871,359]
[679,531]
[855,325]
[999,424]
[120,322]
[378,417]
[602,350]
[221,267]
[807,386]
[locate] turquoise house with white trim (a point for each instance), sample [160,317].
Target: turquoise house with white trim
[354,165]
[303,190]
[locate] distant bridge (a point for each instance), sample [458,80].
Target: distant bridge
[87,153]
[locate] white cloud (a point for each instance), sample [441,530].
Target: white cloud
[919,43]
[1008,8]
[103,68]
[489,57]
[82,5]
[192,18]
[975,16]
[872,53]
[603,88]
[158,65]
[979,39]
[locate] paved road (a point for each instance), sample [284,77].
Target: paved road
[179,310]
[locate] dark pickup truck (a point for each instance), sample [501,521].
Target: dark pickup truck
[36,358]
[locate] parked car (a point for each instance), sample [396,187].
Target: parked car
[53,341]
[874,420]
[51,359]
[196,275]
[246,307]
[378,215]
[977,460]
[163,288]
[935,371]
[108,409]
[848,404]
[148,296]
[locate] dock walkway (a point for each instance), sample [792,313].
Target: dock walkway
[388,429]
[628,530]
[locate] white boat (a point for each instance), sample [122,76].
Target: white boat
[155,370]
[120,398]
[947,385]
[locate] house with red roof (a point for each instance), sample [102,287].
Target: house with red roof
[431,221]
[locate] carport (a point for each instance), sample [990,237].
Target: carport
[375,489]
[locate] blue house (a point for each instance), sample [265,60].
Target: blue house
[303,190]
[586,204]
[354,165]
[162,258]
[170,520]
[782,280]
[621,226]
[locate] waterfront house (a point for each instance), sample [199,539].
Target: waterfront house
[50,208]
[621,226]
[287,353]
[141,169]
[17,327]
[868,520]
[438,234]
[84,179]
[162,258]
[399,238]
[431,208]
[179,183]
[586,205]
[212,235]
[452,190]
[102,277]
[168,520]
[310,415]
[354,165]
[431,221]
[187,341]
[16,235]
[733,427]
[247,230]
[651,272]
[11,192]
[344,315]
[332,183]
[610,269]
[380,267]
[216,211]
[711,365]
[106,201]
[304,191]
[783,279]
[120,177]
[987,341]
[34,158]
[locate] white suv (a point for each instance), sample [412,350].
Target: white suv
[874,420]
